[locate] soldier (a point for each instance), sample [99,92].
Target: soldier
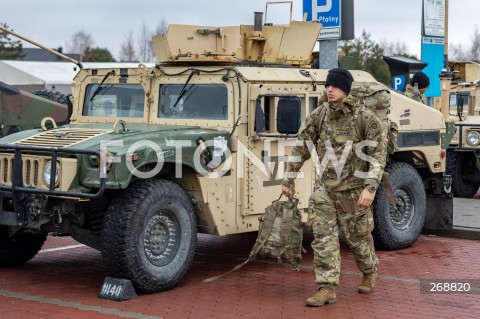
[417,87]
[342,195]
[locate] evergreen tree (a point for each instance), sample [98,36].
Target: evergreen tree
[369,56]
[97,55]
[9,49]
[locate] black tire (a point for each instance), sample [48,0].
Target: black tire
[148,206]
[401,228]
[19,248]
[461,165]
[50,95]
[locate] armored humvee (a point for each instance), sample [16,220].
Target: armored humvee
[198,143]
[463,154]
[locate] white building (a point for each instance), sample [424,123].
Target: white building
[32,76]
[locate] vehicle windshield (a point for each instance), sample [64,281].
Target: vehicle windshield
[199,101]
[114,100]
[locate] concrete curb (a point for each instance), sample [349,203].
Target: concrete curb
[457,232]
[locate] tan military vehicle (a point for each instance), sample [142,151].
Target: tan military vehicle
[463,155]
[198,143]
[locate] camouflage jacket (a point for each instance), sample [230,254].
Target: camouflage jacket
[338,137]
[417,96]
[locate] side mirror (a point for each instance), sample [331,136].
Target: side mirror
[289,114]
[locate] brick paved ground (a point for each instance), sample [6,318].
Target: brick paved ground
[65,284]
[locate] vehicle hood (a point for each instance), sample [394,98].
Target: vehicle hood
[92,136]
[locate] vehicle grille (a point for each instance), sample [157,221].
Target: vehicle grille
[65,137]
[32,171]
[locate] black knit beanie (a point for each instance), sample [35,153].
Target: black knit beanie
[421,79]
[340,78]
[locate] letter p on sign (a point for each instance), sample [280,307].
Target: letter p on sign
[316,9]
[398,82]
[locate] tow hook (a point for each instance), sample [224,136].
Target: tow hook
[57,215]
[36,206]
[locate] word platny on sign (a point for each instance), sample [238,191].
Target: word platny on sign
[221,162]
[323,19]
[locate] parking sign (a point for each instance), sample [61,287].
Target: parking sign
[399,82]
[327,12]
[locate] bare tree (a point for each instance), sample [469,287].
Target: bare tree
[127,49]
[146,48]
[144,40]
[457,52]
[81,41]
[141,49]
[466,52]
[475,45]
[162,28]
[395,48]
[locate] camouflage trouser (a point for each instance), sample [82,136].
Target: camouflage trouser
[328,210]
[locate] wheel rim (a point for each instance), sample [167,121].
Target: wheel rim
[161,238]
[402,215]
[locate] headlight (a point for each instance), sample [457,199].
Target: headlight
[47,173]
[473,138]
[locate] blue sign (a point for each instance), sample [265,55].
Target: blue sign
[399,82]
[326,12]
[433,54]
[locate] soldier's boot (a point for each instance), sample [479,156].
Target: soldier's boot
[368,283]
[323,296]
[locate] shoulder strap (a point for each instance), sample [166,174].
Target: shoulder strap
[360,120]
[323,115]
[266,226]
[288,218]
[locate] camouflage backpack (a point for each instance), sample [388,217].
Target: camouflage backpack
[280,235]
[376,97]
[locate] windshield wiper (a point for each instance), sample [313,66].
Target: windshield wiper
[100,85]
[183,91]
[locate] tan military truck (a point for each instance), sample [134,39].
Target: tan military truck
[197,143]
[463,154]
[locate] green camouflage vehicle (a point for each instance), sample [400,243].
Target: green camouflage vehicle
[198,143]
[20,110]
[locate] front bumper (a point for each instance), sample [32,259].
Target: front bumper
[20,176]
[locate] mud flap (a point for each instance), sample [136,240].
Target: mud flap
[439,212]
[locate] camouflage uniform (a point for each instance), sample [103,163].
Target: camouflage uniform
[417,96]
[334,200]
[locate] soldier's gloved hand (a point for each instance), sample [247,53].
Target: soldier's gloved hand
[287,191]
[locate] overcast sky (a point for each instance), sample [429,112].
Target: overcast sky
[52,23]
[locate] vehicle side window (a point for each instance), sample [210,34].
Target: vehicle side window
[194,101]
[459,99]
[278,113]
